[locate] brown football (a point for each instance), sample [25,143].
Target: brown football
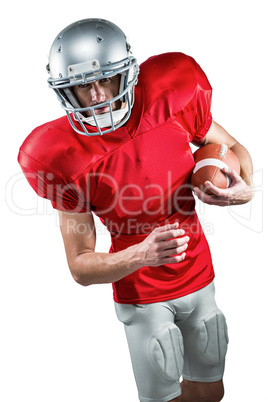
[209,161]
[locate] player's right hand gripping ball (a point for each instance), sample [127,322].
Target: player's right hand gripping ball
[209,162]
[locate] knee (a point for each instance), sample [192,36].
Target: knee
[215,395]
[220,395]
[202,392]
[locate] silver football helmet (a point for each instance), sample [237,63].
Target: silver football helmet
[86,51]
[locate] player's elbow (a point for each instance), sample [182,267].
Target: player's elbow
[79,279]
[79,275]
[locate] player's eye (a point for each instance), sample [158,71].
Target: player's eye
[105,80]
[83,85]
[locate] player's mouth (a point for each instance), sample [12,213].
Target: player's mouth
[100,110]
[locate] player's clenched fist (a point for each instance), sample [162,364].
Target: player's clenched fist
[164,245]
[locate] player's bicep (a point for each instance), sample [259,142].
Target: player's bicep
[217,135]
[78,233]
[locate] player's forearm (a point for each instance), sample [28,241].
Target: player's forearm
[95,268]
[164,245]
[245,163]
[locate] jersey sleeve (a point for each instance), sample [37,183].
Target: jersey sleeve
[202,105]
[64,196]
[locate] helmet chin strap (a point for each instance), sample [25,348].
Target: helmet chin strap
[105,119]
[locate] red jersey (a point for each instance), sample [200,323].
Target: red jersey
[137,177]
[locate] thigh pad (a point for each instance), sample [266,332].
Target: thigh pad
[213,338]
[166,352]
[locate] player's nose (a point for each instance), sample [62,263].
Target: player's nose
[97,93]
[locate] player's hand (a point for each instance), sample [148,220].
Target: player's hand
[164,245]
[239,191]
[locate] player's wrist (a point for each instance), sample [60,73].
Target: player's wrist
[132,257]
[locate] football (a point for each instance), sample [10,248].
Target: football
[209,161]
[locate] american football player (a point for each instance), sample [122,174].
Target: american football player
[123,152]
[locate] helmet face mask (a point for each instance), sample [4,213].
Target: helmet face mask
[105,53]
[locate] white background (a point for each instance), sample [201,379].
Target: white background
[61,341]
